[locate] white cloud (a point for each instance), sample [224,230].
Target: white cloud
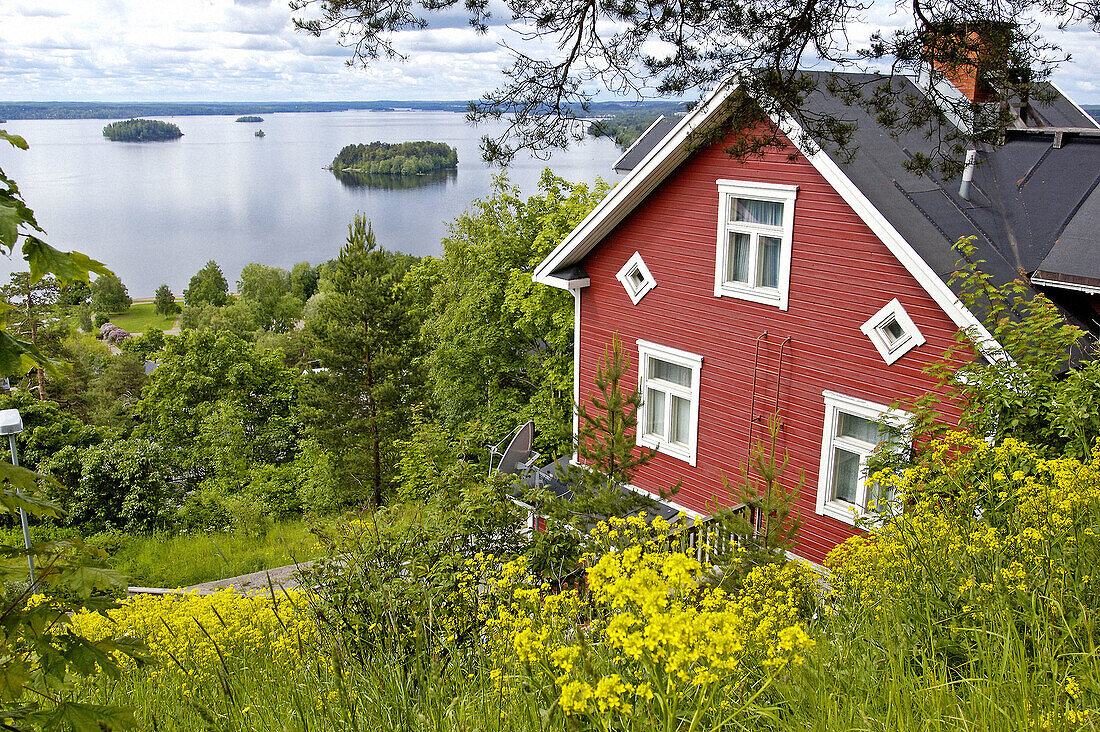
[192,50]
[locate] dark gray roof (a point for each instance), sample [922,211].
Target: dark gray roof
[1034,205]
[641,147]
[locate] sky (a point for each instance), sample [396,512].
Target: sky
[248,50]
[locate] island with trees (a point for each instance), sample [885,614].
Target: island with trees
[141,130]
[250,118]
[402,158]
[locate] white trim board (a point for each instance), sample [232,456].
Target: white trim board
[666,156]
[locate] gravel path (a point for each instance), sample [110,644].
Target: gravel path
[280,577]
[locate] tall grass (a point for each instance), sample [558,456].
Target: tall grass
[181,560]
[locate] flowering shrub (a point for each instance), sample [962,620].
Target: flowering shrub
[996,545]
[652,642]
[198,640]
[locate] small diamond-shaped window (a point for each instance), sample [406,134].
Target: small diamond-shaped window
[892,332]
[636,278]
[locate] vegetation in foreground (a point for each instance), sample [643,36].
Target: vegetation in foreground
[141,130]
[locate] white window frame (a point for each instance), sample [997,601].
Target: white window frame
[889,348]
[729,191]
[625,276]
[835,404]
[647,350]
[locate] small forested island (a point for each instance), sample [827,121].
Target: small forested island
[402,158]
[141,130]
[259,133]
[250,118]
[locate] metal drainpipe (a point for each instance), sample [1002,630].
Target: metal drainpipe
[968,174]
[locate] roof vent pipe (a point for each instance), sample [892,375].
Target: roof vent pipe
[968,174]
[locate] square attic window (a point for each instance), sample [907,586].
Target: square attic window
[636,278]
[892,332]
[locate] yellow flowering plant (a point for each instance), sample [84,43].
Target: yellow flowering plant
[652,643]
[996,542]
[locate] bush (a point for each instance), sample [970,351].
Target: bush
[101,319]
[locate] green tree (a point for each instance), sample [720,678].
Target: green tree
[241,317]
[109,295]
[207,286]
[499,348]
[164,303]
[270,288]
[221,404]
[34,310]
[303,281]
[364,339]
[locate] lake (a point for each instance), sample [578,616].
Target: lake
[156,212]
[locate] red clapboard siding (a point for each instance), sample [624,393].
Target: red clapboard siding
[841,275]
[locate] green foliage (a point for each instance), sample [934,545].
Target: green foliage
[249,118]
[270,289]
[164,303]
[40,656]
[141,130]
[363,338]
[74,293]
[220,405]
[499,347]
[240,317]
[207,286]
[303,281]
[606,442]
[109,295]
[122,484]
[759,510]
[403,158]
[625,126]
[1034,389]
[146,344]
[34,317]
[432,460]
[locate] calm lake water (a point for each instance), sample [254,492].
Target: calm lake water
[156,212]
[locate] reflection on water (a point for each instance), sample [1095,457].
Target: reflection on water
[355,179]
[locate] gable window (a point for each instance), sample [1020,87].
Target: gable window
[755,225]
[892,332]
[636,278]
[669,382]
[853,430]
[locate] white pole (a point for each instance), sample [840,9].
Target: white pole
[22,513]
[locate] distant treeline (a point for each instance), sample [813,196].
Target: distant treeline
[627,125]
[141,130]
[250,118]
[403,158]
[120,110]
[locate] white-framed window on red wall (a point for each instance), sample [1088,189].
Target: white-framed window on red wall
[853,430]
[668,421]
[755,236]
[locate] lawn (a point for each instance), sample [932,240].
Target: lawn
[141,317]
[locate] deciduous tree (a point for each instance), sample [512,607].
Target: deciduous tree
[109,295]
[164,303]
[208,286]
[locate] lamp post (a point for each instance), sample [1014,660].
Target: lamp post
[11,424]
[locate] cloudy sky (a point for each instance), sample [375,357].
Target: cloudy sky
[247,50]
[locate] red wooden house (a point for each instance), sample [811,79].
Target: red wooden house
[811,287]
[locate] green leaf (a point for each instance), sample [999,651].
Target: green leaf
[67,266]
[85,580]
[15,140]
[85,717]
[14,674]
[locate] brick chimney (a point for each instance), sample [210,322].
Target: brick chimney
[968,54]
